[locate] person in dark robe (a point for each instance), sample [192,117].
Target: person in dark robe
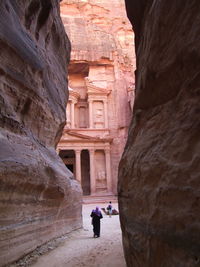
[96,217]
[109,209]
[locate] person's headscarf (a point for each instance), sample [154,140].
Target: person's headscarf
[97,211]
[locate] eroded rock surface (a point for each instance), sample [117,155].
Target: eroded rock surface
[159,172]
[39,200]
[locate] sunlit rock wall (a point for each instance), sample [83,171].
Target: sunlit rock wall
[38,200]
[101,36]
[159,189]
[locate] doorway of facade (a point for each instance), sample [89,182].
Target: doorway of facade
[68,157]
[70,167]
[85,172]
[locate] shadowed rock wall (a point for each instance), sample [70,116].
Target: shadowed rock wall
[39,200]
[159,189]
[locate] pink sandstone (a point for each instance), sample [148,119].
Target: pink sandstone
[101,82]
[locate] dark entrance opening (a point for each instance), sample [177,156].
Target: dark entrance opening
[68,157]
[85,172]
[70,167]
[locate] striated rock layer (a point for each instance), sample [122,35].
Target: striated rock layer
[39,200]
[159,189]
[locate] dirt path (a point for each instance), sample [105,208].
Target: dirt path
[81,249]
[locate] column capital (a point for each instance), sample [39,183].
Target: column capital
[77,151]
[107,149]
[91,150]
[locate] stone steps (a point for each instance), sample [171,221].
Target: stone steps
[99,199]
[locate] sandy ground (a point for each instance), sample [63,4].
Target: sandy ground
[81,249]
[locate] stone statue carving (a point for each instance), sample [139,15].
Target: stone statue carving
[99,115]
[101,175]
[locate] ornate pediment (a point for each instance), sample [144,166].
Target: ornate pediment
[73,95]
[72,136]
[93,89]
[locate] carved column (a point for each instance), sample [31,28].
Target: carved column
[90,114]
[72,115]
[92,173]
[105,102]
[108,170]
[68,114]
[78,165]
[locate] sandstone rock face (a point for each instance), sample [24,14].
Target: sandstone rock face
[102,88]
[39,200]
[159,189]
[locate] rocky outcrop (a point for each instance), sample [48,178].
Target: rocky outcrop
[98,30]
[39,199]
[159,192]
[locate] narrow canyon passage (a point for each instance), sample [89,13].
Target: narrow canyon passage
[81,249]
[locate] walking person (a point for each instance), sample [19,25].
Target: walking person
[109,209]
[96,217]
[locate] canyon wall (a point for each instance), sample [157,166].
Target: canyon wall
[39,199]
[159,189]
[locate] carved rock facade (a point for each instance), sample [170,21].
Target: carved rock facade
[159,189]
[101,92]
[39,200]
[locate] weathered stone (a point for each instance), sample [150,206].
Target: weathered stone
[101,85]
[159,189]
[39,199]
